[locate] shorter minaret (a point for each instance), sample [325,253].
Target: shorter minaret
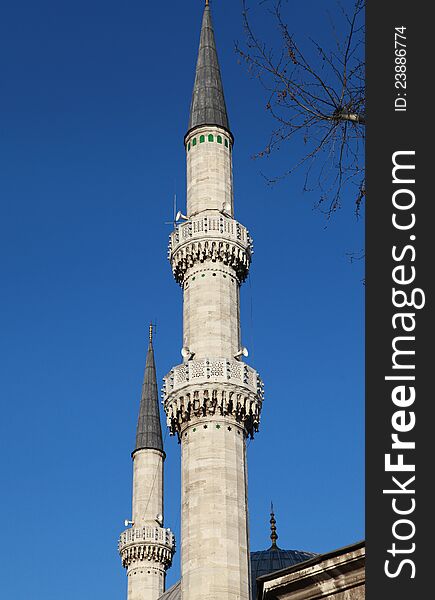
[146,548]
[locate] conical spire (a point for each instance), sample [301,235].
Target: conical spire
[149,430]
[208,102]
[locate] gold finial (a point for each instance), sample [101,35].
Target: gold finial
[206,2]
[151,333]
[273,535]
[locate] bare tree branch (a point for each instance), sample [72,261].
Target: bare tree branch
[318,95]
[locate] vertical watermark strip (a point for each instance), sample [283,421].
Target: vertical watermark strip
[399,306]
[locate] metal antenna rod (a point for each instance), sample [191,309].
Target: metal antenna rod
[173,222]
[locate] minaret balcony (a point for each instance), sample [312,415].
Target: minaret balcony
[213,387]
[146,543]
[213,370]
[212,237]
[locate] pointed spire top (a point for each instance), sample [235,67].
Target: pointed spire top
[149,430]
[208,103]
[273,535]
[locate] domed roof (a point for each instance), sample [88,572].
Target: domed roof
[274,558]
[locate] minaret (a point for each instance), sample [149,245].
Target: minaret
[213,399]
[147,548]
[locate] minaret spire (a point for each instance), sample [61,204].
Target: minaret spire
[149,430]
[147,547]
[208,102]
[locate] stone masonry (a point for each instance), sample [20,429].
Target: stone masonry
[213,399]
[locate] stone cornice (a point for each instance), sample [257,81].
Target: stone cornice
[146,552]
[201,401]
[321,577]
[162,453]
[147,543]
[205,129]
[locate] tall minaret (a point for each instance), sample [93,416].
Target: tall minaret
[212,400]
[147,548]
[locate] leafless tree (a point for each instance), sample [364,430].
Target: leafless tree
[319,95]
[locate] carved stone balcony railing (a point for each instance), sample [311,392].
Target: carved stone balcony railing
[146,543]
[212,237]
[213,387]
[210,226]
[213,370]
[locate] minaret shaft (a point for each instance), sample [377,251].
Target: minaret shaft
[147,487]
[211,311]
[213,400]
[211,285]
[214,512]
[209,171]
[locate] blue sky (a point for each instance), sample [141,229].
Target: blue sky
[94,106]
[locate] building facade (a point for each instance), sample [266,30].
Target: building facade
[337,575]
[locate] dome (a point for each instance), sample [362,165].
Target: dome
[274,559]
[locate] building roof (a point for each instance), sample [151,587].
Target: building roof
[274,558]
[265,562]
[174,592]
[275,563]
[149,429]
[337,567]
[208,102]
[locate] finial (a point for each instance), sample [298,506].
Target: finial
[206,2]
[151,333]
[273,535]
